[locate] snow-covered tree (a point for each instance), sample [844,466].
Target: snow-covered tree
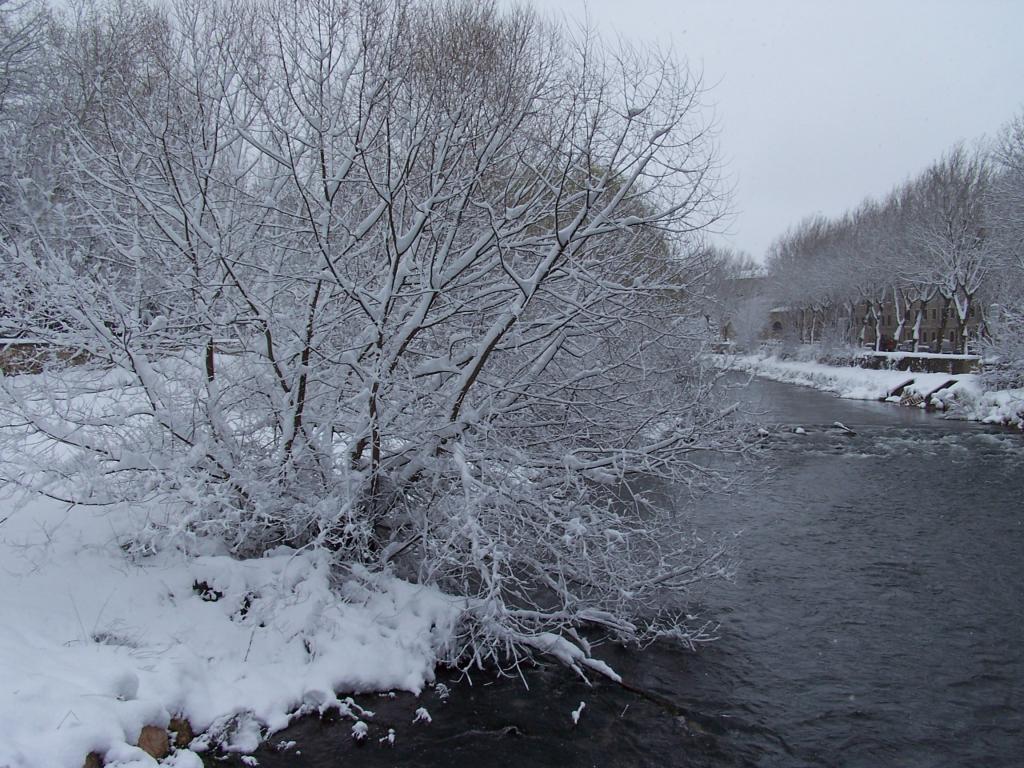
[735,305]
[929,238]
[406,280]
[25,39]
[951,232]
[817,272]
[1006,220]
[23,31]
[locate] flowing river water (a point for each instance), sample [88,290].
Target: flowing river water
[876,619]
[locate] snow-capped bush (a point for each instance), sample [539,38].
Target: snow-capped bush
[1006,369]
[410,296]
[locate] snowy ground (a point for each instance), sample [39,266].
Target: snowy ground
[97,642]
[965,398]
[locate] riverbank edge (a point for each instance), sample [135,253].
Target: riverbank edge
[962,395]
[151,658]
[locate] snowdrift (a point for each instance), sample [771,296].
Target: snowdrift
[100,639]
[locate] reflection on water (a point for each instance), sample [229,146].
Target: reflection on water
[876,620]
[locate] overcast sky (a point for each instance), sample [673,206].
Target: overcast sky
[820,102]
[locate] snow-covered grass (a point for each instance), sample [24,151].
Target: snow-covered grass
[99,639]
[967,397]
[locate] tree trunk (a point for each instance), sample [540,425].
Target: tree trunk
[917,323]
[943,321]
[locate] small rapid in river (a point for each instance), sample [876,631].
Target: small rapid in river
[876,619]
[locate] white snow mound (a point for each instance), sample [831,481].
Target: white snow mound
[95,644]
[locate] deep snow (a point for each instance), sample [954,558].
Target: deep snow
[97,641]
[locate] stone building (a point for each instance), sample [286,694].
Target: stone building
[938,329]
[936,333]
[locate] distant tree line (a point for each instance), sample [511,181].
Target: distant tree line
[949,239]
[735,304]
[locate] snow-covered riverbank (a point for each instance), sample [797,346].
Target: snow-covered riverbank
[964,397]
[97,642]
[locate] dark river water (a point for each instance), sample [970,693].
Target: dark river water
[876,619]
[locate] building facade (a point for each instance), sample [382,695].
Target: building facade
[929,327]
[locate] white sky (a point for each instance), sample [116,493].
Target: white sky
[821,103]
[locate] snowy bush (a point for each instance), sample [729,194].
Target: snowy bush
[405,281]
[1005,369]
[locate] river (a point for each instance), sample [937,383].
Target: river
[876,619]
